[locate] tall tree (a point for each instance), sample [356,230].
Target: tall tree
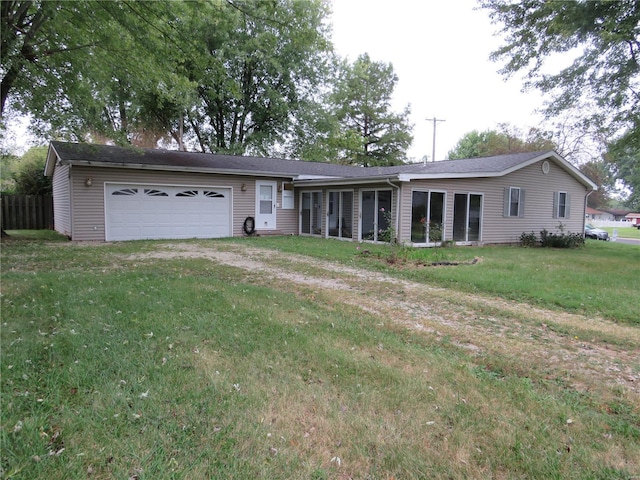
[497,142]
[624,156]
[369,133]
[602,38]
[222,76]
[600,172]
[258,62]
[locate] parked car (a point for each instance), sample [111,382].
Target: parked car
[592,232]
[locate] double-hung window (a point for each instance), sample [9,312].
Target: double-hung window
[514,202]
[561,205]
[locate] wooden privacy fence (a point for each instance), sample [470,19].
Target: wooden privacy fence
[26,212]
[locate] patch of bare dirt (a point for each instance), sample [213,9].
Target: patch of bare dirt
[563,345]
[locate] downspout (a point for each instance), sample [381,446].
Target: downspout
[584,217]
[397,215]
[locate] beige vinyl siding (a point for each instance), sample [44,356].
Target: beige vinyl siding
[62,200]
[88,202]
[495,228]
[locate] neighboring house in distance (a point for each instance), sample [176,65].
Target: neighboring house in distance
[617,214]
[593,214]
[633,218]
[108,193]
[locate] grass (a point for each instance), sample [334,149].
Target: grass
[596,280]
[118,367]
[624,232]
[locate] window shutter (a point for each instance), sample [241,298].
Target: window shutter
[507,200]
[556,197]
[567,210]
[521,209]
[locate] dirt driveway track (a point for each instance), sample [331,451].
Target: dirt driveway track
[587,353]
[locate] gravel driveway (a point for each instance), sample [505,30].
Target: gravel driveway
[562,345]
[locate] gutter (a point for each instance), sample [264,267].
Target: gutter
[168,168]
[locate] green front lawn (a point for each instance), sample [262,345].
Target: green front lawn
[115,365]
[599,279]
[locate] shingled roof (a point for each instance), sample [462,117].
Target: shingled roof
[301,171]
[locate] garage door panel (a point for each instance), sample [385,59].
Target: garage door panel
[151,211]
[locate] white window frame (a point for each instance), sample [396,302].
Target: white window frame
[557,204]
[508,204]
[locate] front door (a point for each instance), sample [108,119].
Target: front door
[265,205]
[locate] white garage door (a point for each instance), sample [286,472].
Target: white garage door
[135,212]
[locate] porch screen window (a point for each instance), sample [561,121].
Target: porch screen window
[427,217]
[311,213]
[467,217]
[340,216]
[376,205]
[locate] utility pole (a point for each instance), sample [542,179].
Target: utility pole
[435,121]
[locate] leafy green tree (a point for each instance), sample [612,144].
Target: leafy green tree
[260,62]
[493,142]
[600,172]
[77,66]
[8,163]
[602,38]
[624,157]
[29,173]
[369,133]
[220,76]
[600,84]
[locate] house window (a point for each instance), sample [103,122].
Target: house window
[375,206]
[287,196]
[340,217]
[513,202]
[152,192]
[187,193]
[561,207]
[212,194]
[126,191]
[427,217]
[467,217]
[311,213]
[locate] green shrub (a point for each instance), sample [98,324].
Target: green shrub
[561,240]
[528,239]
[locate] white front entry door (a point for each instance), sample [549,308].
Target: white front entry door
[265,205]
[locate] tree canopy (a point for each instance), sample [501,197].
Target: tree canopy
[599,43]
[370,133]
[603,37]
[221,76]
[497,142]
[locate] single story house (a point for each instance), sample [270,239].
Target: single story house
[633,218]
[593,214]
[109,193]
[617,214]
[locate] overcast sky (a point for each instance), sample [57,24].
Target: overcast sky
[440,53]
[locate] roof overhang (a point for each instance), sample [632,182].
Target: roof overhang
[345,181]
[565,165]
[165,168]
